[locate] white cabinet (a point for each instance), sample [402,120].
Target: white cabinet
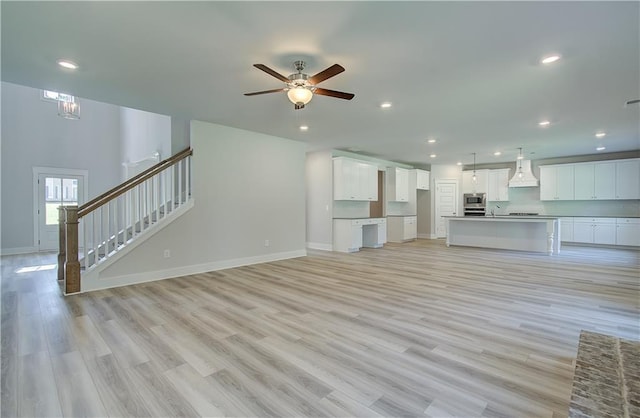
[349,235]
[594,230]
[498,190]
[595,181]
[566,229]
[397,184]
[480,185]
[628,231]
[354,180]
[422,179]
[600,180]
[628,179]
[402,228]
[557,182]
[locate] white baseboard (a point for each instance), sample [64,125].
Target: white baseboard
[319,246]
[19,250]
[94,282]
[424,236]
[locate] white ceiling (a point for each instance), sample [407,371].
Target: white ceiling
[465,73]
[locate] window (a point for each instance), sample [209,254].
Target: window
[54,96]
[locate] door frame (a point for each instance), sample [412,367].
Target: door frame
[436,200]
[57,172]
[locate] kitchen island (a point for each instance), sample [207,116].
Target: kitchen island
[524,233]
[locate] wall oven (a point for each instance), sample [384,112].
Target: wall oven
[475,204]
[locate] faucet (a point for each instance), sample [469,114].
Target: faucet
[492,211]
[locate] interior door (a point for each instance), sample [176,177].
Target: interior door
[55,190]
[446,204]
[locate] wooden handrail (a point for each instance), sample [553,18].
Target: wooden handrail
[132,182]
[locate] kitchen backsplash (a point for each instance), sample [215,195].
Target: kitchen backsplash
[527,200]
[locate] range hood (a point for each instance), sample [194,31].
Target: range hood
[524,176]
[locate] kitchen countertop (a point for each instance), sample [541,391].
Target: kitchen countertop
[502,217]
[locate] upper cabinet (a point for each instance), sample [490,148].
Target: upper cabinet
[480,185]
[556,182]
[354,180]
[498,190]
[397,184]
[628,179]
[422,179]
[600,180]
[595,181]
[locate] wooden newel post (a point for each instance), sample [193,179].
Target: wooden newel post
[62,243]
[72,265]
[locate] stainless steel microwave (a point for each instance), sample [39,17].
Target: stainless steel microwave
[475,200]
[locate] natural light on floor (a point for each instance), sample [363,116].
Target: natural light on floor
[36,268]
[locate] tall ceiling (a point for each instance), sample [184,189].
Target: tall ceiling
[467,74]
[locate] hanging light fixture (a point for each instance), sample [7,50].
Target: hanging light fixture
[300,96]
[520,173]
[474,178]
[69,109]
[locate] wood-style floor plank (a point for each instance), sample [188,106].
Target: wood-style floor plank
[415,329]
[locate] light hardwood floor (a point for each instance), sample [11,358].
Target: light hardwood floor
[413,329]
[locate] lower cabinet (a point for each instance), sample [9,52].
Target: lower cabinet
[349,235]
[594,230]
[402,228]
[628,231]
[566,229]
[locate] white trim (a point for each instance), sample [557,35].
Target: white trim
[106,283]
[319,246]
[18,250]
[37,171]
[140,238]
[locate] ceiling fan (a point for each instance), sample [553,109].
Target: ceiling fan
[300,87]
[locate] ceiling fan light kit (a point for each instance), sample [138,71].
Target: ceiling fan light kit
[300,87]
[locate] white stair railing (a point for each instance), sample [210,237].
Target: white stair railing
[117,218]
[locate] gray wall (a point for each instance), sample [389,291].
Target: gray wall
[142,134]
[248,188]
[33,135]
[319,182]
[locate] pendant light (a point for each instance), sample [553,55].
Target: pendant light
[474,178]
[520,173]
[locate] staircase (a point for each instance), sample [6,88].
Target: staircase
[96,234]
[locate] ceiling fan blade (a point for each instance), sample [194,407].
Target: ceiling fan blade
[333,93]
[263,92]
[271,72]
[335,69]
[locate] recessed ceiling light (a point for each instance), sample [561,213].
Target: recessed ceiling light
[600,134]
[431,141]
[432,156]
[497,153]
[459,163]
[304,128]
[385,105]
[549,59]
[68,64]
[600,149]
[544,123]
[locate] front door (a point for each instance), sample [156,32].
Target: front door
[446,204]
[55,189]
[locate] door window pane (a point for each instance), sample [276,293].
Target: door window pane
[59,191]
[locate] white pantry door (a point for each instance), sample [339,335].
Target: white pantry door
[446,204]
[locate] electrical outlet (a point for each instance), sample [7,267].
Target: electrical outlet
[266,243]
[167,253]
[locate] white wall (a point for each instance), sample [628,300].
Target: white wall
[248,188]
[319,183]
[143,134]
[34,135]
